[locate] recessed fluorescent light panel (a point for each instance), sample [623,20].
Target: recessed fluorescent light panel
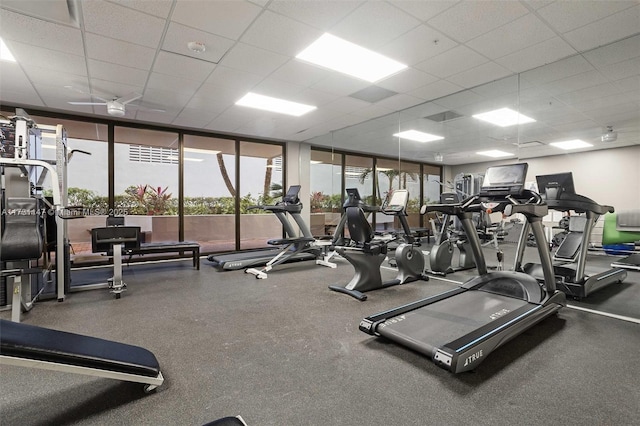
[267,103]
[494,153]
[343,56]
[504,117]
[5,54]
[414,135]
[572,144]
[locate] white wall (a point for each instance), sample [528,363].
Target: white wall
[610,177]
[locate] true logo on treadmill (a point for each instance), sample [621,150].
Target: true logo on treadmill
[392,321]
[499,314]
[473,358]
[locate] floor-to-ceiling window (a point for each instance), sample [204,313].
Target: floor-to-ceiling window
[209,192]
[87,172]
[146,181]
[326,191]
[261,183]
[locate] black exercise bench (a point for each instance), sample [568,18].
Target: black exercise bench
[170,247]
[37,347]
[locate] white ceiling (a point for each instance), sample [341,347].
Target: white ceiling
[121,46]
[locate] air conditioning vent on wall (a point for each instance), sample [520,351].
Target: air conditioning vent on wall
[153,154]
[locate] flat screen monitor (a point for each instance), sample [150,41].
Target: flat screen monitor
[553,185]
[507,179]
[292,194]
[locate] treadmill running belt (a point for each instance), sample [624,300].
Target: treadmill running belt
[435,325]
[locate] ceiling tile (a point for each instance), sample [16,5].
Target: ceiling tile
[606,30]
[452,62]
[177,84]
[321,14]
[123,23]
[112,90]
[512,37]
[399,102]
[119,52]
[622,69]
[193,118]
[534,56]
[435,90]
[280,34]
[591,95]
[417,45]
[565,16]
[229,78]
[227,18]
[479,75]
[537,4]
[45,75]
[407,80]
[575,82]
[169,100]
[389,23]
[558,70]
[153,117]
[176,65]
[245,57]
[469,19]
[178,36]
[159,8]
[15,87]
[28,55]
[340,85]
[214,99]
[615,52]
[424,10]
[278,89]
[40,33]
[300,73]
[117,73]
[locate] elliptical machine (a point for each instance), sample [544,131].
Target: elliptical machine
[366,253]
[441,254]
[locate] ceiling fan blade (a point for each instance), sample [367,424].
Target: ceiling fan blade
[128,98]
[101,97]
[147,109]
[87,103]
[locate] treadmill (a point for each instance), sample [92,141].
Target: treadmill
[246,259]
[571,256]
[459,328]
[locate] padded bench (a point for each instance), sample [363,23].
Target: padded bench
[170,247]
[37,347]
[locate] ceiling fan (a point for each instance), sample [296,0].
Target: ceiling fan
[116,106]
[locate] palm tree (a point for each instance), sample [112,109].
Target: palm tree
[225,175]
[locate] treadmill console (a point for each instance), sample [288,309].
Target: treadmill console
[291,197]
[504,180]
[553,186]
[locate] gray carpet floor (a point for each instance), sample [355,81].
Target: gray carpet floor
[287,351]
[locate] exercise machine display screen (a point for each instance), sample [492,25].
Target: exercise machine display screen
[397,200]
[353,194]
[509,179]
[556,184]
[292,194]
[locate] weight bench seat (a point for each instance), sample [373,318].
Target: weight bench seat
[28,342]
[171,246]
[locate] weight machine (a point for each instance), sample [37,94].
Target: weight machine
[24,210]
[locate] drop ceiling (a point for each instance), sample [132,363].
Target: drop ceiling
[573,66]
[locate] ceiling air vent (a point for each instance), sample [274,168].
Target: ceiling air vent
[529,144]
[444,116]
[373,94]
[59,11]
